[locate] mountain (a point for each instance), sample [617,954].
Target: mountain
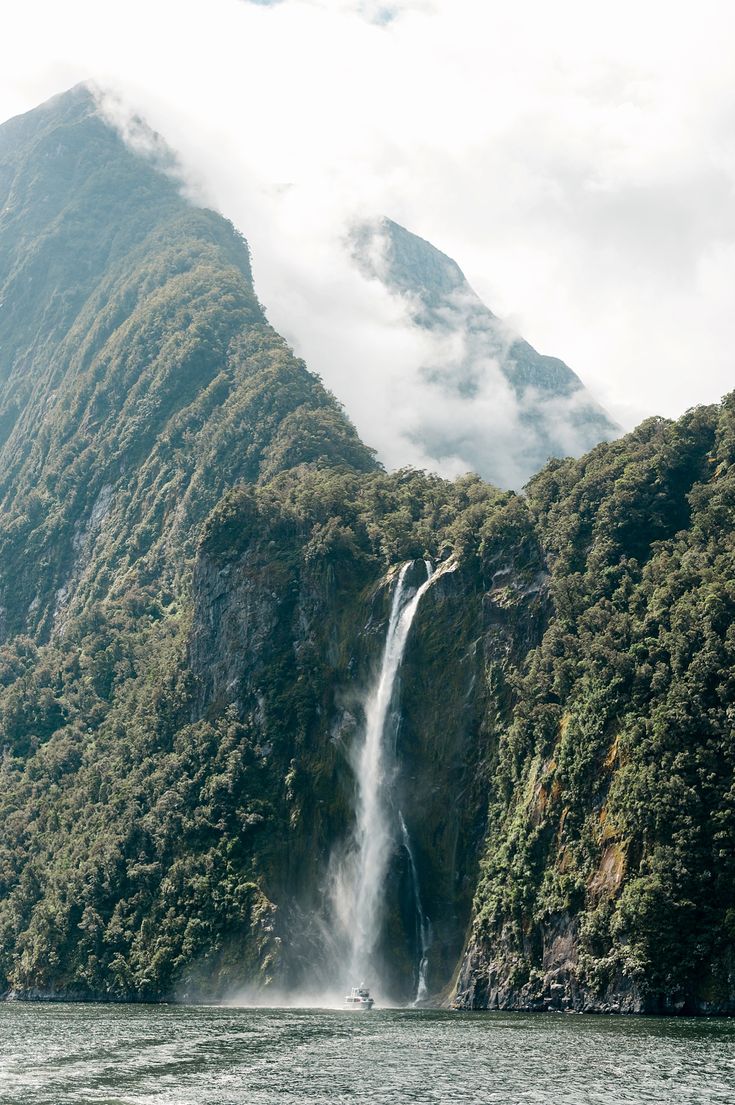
[535,407]
[607,879]
[138,375]
[200,569]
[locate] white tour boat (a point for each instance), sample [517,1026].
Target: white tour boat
[358,1000]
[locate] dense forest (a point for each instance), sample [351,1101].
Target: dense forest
[608,873]
[197,560]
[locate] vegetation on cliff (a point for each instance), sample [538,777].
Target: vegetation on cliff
[612,812]
[143,825]
[196,560]
[144,809]
[139,380]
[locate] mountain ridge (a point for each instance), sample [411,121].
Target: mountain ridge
[198,563]
[93,395]
[479,354]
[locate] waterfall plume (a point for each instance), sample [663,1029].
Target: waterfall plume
[361,884]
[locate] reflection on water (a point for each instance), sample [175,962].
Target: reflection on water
[188,1055]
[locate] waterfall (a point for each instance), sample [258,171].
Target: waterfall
[423,925]
[374,830]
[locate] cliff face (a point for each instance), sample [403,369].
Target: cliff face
[531,406]
[607,877]
[139,378]
[287,635]
[198,561]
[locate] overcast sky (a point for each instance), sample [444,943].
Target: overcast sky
[576,159]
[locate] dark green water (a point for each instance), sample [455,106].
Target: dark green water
[177,1055]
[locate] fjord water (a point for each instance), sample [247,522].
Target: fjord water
[186,1055]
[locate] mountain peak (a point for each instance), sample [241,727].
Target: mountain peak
[482,355]
[139,378]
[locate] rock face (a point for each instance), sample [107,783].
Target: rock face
[290,640]
[609,847]
[198,558]
[139,378]
[555,985]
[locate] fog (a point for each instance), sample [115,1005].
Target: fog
[578,163]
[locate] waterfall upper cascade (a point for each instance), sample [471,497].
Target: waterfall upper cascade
[362,883]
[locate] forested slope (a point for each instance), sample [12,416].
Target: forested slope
[197,562]
[609,874]
[138,375]
[139,381]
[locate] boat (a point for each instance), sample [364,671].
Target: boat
[358,1000]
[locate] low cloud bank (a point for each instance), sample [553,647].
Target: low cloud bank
[579,164]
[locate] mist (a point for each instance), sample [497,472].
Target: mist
[578,165]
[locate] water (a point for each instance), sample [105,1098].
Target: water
[360,889]
[177,1055]
[423,925]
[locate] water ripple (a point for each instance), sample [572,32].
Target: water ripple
[178,1055]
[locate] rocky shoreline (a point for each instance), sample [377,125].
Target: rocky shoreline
[484,984]
[554,994]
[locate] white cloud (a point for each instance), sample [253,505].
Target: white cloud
[578,162]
